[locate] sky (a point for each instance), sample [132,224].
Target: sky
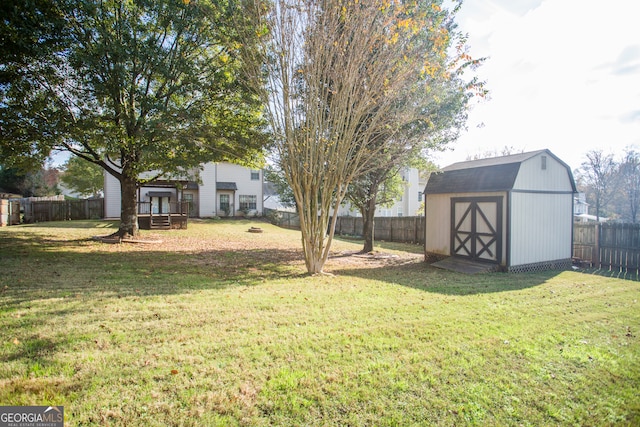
[561,74]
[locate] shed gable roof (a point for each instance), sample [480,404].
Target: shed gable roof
[484,175]
[473,180]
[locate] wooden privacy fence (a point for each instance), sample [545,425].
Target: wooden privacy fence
[9,212]
[283,218]
[407,229]
[63,210]
[609,246]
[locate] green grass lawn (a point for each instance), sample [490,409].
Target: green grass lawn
[218,326]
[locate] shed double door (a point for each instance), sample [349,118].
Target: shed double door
[476,228]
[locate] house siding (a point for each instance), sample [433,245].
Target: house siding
[207,191]
[241,175]
[410,201]
[207,194]
[111,196]
[407,205]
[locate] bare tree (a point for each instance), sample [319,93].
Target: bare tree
[337,74]
[629,172]
[599,174]
[504,151]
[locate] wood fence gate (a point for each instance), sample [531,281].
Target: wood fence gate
[9,212]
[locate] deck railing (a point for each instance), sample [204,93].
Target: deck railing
[175,208]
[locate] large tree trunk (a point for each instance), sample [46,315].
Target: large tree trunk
[317,230]
[368,215]
[128,207]
[313,243]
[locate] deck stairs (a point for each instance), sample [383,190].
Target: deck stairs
[160,222]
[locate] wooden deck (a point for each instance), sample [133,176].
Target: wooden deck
[176,217]
[162,222]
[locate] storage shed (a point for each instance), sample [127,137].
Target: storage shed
[514,213]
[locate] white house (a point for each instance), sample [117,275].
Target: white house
[514,212]
[581,210]
[216,189]
[407,205]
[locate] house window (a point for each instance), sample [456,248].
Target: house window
[400,211]
[255,175]
[419,196]
[543,163]
[248,203]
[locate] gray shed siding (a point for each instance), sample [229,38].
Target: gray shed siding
[531,176]
[540,227]
[541,212]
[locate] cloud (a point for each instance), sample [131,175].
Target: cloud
[627,62]
[562,74]
[631,117]
[520,7]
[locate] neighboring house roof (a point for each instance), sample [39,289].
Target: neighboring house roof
[484,175]
[592,217]
[226,186]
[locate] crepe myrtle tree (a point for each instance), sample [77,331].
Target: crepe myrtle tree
[440,112]
[133,86]
[339,79]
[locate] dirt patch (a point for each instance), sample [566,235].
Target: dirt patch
[238,248]
[371,259]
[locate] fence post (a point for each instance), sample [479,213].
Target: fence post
[597,247]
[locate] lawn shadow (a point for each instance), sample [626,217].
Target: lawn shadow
[609,273]
[48,266]
[100,225]
[40,268]
[420,275]
[385,245]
